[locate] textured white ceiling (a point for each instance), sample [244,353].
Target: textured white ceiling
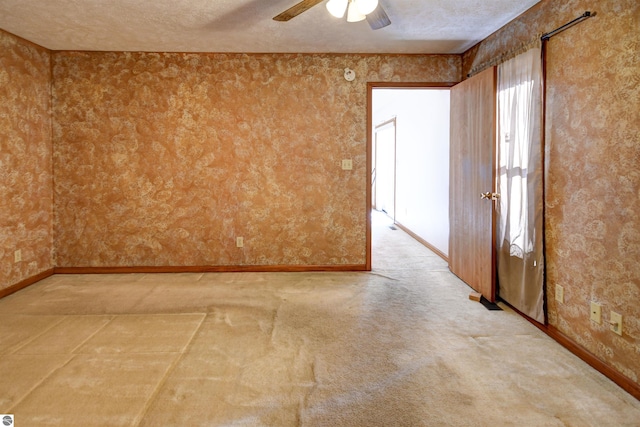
[418,26]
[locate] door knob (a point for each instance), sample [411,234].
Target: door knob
[490,196]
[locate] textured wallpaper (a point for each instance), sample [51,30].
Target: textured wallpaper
[592,168]
[164,159]
[25,160]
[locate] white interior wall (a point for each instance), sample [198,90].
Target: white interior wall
[422,159]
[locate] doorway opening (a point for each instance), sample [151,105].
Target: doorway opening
[408,161]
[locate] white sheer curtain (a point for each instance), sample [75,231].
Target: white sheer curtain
[519,181]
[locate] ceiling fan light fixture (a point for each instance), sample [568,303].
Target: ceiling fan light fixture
[353,14]
[337,8]
[365,7]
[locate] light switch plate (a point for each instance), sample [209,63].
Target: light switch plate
[347,164]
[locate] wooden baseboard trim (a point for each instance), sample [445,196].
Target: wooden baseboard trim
[424,242]
[210,269]
[26,282]
[590,359]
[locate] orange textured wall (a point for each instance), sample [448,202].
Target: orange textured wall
[163,159]
[26,201]
[592,168]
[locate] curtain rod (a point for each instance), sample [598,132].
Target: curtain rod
[569,24]
[544,37]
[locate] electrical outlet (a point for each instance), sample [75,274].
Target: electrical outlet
[616,322]
[17,256]
[560,294]
[596,312]
[347,164]
[240,242]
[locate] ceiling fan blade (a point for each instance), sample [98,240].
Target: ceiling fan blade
[296,10]
[378,18]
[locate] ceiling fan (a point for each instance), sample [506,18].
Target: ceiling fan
[356,10]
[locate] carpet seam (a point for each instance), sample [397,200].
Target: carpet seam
[39,383]
[145,410]
[112,317]
[32,339]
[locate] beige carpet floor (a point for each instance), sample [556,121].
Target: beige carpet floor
[400,346]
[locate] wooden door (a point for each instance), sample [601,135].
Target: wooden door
[472,172]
